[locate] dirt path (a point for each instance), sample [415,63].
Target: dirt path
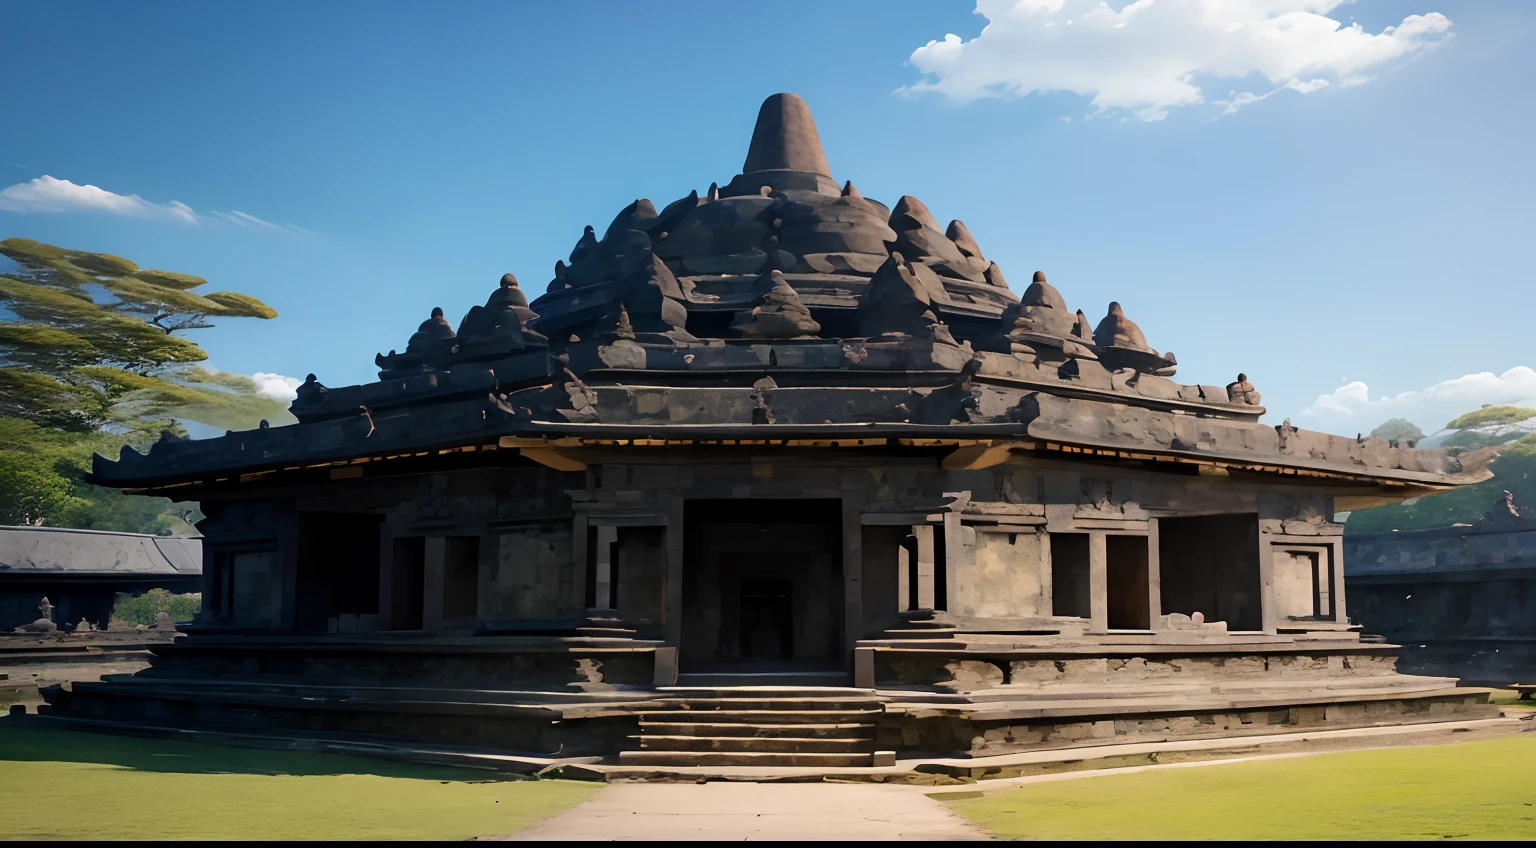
[737,811]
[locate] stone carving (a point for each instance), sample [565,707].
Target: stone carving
[1121,344]
[779,315]
[898,303]
[426,350]
[501,325]
[1242,392]
[1040,324]
[919,238]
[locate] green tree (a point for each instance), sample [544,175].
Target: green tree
[90,360]
[1399,430]
[93,345]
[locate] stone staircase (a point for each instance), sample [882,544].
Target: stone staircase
[759,726]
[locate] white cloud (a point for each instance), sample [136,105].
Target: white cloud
[276,386]
[1150,56]
[47,194]
[1349,407]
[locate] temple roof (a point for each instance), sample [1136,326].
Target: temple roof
[779,303]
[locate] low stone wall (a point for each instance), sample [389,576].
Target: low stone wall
[967,673]
[1460,600]
[929,732]
[473,662]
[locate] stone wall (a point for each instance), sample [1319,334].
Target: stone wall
[1460,600]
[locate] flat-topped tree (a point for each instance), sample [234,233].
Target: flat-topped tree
[79,361]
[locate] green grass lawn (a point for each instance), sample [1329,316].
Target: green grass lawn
[1474,790]
[65,785]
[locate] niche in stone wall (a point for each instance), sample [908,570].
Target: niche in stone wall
[1304,582]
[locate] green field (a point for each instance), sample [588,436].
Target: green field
[1474,790]
[64,785]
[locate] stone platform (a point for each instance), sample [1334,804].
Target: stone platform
[595,698]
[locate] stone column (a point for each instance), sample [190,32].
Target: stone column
[925,575]
[432,582]
[853,568]
[603,595]
[1154,576]
[1098,582]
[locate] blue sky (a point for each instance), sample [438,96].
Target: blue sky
[1374,230]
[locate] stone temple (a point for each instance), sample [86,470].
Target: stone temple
[775,434]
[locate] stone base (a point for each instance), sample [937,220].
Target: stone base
[580,696]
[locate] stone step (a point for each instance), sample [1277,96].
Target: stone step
[804,679]
[762,731]
[757,744]
[741,758]
[775,704]
[763,716]
[766,692]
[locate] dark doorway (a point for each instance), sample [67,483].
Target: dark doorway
[1210,564]
[762,585]
[338,570]
[1125,577]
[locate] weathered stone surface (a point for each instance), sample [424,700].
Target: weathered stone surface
[780,315]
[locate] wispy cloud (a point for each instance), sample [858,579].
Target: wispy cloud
[1150,56]
[48,194]
[251,222]
[1349,407]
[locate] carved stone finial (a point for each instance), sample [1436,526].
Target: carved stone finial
[1122,344]
[850,192]
[311,392]
[1039,277]
[778,315]
[624,330]
[714,191]
[1242,392]
[785,138]
[961,236]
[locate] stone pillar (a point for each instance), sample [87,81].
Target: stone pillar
[1269,616]
[1154,576]
[432,582]
[1098,582]
[925,575]
[853,569]
[1336,574]
[674,606]
[603,594]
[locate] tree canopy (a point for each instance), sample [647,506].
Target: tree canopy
[93,345]
[91,359]
[1399,430]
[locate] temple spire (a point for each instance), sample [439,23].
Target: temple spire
[785,138]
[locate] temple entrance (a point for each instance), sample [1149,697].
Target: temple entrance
[762,585]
